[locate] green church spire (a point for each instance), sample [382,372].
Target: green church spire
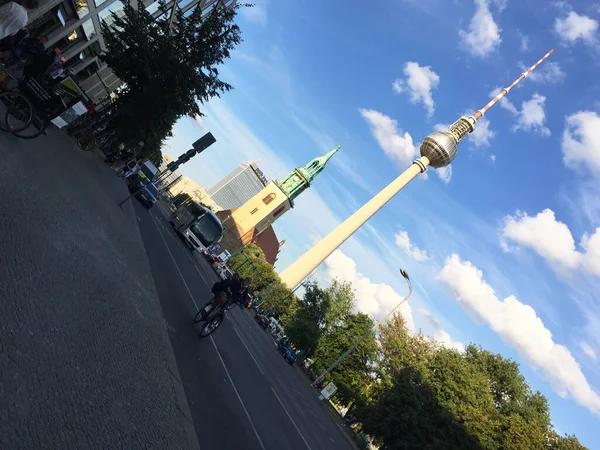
[299,180]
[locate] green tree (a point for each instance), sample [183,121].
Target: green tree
[181,198]
[408,416]
[251,263]
[174,67]
[566,442]
[476,399]
[340,299]
[352,375]
[509,388]
[401,349]
[308,322]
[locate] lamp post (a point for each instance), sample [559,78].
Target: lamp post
[404,274]
[438,149]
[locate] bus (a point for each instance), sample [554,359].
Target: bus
[197,225]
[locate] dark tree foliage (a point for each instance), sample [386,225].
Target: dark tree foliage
[169,69]
[430,397]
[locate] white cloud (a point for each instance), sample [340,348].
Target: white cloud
[549,72]
[589,351]
[372,298]
[574,27]
[553,241]
[504,102]
[403,241]
[482,134]
[519,326]
[581,142]
[531,116]
[398,86]
[440,335]
[493,158]
[480,137]
[483,35]
[398,147]
[524,42]
[445,173]
[420,81]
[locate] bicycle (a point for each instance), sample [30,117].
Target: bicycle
[213,318]
[19,111]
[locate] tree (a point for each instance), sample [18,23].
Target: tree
[181,198]
[175,69]
[352,375]
[306,326]
[433,397]
[509,388]
[340,299]
[566,442]
[251,263]
[408,416]
[319,312]
[401,349]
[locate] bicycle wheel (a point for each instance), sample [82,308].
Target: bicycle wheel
[19,111]
[210,326]
[36,128]
[200,316]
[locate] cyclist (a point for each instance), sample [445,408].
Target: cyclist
[221,290]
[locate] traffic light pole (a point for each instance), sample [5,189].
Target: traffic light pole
[197,147]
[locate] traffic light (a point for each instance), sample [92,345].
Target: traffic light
[200,145]
[204,142]
[186,156]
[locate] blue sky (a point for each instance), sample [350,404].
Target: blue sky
[503,248]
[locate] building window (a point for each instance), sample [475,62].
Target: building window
[279,211]
[254,211]
[269,198]
[88,29]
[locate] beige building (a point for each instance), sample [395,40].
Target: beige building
[188,186]
[247,223]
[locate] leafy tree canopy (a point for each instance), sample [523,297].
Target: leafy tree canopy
[175,69]
[434,398]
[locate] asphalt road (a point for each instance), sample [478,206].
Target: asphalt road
[85,360]
[241,393]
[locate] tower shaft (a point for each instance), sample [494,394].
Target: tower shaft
[295,273]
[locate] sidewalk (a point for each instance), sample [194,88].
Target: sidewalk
[85,358]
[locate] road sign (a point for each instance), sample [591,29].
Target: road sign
[328,390]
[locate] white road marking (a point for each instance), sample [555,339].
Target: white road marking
[238,395]
[291,420]
[291,397]
[175,262]
[249,352]
[197,270]
[138,217]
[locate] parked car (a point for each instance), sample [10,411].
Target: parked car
[224,272]
[147,195]
[262,320]
[287,351]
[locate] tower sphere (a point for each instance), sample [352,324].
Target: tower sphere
[440,148]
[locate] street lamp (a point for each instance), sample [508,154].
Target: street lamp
[404,274]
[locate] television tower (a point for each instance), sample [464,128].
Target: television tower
[437,150]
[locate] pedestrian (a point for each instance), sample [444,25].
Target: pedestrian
[13,16]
